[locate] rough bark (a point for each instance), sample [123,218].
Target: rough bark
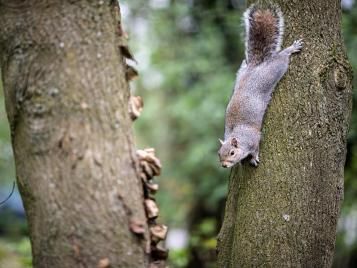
[67,104]
[284,213]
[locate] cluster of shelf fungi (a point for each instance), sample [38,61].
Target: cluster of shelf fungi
[149,167]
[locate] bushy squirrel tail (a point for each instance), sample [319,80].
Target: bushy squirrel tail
[264,28]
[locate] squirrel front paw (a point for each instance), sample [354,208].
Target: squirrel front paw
[254,161]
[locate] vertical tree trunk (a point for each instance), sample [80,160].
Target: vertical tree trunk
[67,103]
[284,213]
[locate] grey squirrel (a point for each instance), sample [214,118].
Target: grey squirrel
[264,65]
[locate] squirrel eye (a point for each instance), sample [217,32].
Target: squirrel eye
[231,153]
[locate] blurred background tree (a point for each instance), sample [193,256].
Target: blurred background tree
[188,52]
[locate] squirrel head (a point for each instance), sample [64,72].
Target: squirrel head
[230,152]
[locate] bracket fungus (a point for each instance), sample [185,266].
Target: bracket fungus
[136,105]
[151,208]
[158,232]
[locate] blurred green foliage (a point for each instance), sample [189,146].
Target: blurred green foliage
[15,254]
[349,24]
[188,103]
[7,166]
[188,53]
[346,243]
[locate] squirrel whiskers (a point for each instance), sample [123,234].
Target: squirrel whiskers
[264,65]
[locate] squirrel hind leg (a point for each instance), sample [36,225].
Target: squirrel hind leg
[294,48]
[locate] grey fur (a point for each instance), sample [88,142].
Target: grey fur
[251,95]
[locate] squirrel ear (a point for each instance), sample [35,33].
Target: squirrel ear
[234,142]
[222,142]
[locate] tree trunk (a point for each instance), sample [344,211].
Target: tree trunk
[284,213]
[67,103]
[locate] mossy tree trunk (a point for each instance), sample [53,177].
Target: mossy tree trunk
[67,104]
[285,212]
